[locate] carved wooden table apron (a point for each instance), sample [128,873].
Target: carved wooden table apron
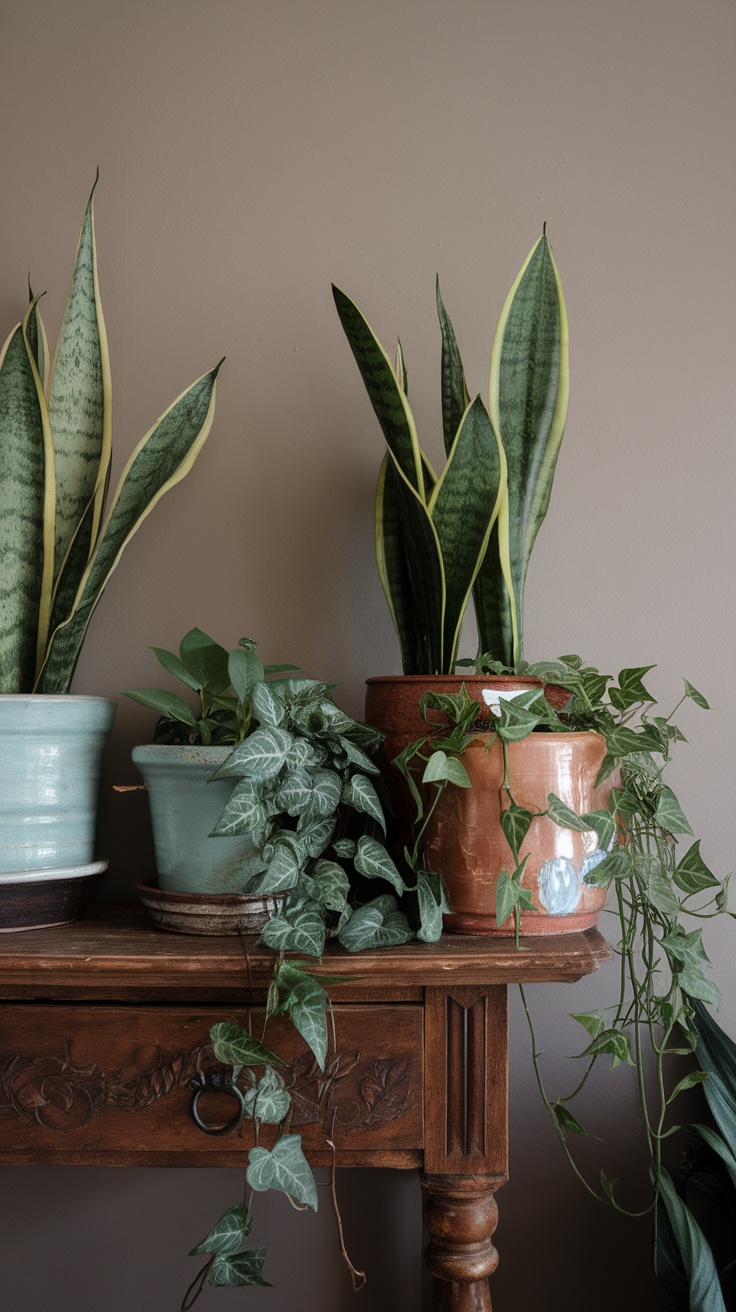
[104,1036]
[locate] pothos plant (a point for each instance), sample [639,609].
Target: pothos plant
[660,893]
[306,790]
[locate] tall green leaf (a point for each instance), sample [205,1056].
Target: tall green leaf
[37,340]
[685,1265]
[162,458]
[528,396]
[26,490]
[386,394]
[410,565]
[716,1053]
[80,413]
[455,398]
[464,506]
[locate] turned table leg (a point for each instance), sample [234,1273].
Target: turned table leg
[460,1215]
[465,1148]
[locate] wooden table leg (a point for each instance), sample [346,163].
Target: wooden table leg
[466,1139]
[460,1214]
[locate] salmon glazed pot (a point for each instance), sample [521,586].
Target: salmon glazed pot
[464,841]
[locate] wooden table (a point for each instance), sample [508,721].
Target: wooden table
[104,1027]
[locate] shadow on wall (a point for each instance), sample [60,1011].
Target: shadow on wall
[112,1241]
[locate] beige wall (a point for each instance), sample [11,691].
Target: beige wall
[250,153]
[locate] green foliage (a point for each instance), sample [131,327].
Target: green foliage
[57,547]
[472,529]
[231,691]
[284,1168]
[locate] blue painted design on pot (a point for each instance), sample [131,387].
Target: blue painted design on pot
[560,888]
[591,861]
[50,756]
[185,804]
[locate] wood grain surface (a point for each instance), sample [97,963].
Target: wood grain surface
[116,953]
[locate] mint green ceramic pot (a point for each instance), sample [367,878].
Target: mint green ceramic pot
[185,807]
[50,756]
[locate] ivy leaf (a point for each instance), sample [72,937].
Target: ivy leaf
[372,860]
[326,790]
[630,688]
[245,813]
[515,822]
[233,1046]
[689,1082]
[306,1002]
[228,1234]
[692,874]
[694,983]
[300,929]
[295,793]
[240,1269]
[283,870]
[510,895]
[567,1121]
[378,924]
[259,757]
[592,1021]
[441,767]
[284,1168]
[345,847]
[669,814]
[269,1101]
[432,902]
[331,885]
[696,696]
[357,756]
[315,833]
[613,1042]
[268,707]
[617,865]
[564,816]
[604,825]
[362,796]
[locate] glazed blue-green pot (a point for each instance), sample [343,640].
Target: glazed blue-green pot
[185,807]
[50,756]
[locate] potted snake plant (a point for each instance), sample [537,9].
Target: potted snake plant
[469,532]
[59,545]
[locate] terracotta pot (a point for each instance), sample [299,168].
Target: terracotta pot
[465,841]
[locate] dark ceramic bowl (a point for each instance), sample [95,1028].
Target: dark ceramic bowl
[207,913]
[39,899]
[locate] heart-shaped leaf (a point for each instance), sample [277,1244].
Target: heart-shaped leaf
[284,1168]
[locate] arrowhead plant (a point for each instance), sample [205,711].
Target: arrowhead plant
[471,529]
[58,547]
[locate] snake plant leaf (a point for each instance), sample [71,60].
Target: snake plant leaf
[385,392]
[401,374]
[411,571]
[393,570]
[685,1264]
[716,1053]
[455,398]
[80,409]
[464,507]
[26,492]
[162,458]
[527,402]
[37,339]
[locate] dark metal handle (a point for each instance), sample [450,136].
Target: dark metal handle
[216,1083]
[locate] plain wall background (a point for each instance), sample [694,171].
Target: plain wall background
[250,154]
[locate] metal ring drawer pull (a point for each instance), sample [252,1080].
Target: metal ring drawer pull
[214,1083]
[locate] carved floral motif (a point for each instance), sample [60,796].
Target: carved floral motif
[61,1095]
